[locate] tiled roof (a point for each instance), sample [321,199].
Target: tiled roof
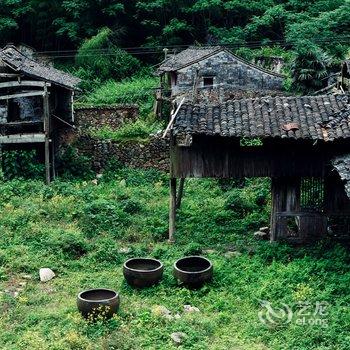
[188,56]
[20,63]
[342,166]
[324,117]
[195,54]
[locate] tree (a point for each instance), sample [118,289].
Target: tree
[309,66]
[100,59]
[11,13]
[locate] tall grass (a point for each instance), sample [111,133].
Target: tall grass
[139,131]
[138,91]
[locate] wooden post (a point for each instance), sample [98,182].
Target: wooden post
[172,210]
[1,161]
[53,153]
[47,134]
[285,197]
[275,206]
[180,193]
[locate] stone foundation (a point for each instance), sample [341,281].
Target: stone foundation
[151,154]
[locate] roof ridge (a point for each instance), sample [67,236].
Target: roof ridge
[214,50]
[18,61]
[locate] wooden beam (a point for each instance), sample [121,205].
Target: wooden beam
[72,104]
[172,210]
[173,118]
[53,161]
[63,121]
[1,160]
[24,94]
[47,134]
[275,208]
[9,75]
[22,138]
[180,193]
[21,83]
[22,123]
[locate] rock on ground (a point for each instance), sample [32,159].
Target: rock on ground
[27,277]
[162,311]
[209,251]
[189,308]
[178,337]
[231,254]
[261,235]
[46,274]
[124,250]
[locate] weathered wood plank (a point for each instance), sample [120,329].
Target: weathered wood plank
[226,159]
[285,198]
[180,193]
[22,123]
[22,138]
[23,83]
[24,94]
[47,134]
[9,75]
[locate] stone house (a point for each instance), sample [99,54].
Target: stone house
[215,74]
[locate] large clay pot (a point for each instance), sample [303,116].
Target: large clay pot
[99,303]
[193,271]
[143,272]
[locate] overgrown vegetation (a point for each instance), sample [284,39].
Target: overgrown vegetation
[85,228]
[138,91]
[138,131]
[71,164]
[64,24]
[99,60]
[81,231]
[23,164]
[309,31]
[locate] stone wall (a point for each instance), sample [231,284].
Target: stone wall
[110,116]
[154,153]
[229,74]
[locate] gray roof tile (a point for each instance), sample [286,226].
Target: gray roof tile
[307,117]
[16,60]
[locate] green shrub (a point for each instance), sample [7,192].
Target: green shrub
[73,246]
[112,167]
[141,177]
[23,164]
[193,249]
[138,91]
[238,204]
[102,216]
[71,164]
[106,251]
[139,131]
[113,63]
[229,184]
[131,206]
[309,66]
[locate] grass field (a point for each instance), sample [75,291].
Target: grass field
[84,232]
